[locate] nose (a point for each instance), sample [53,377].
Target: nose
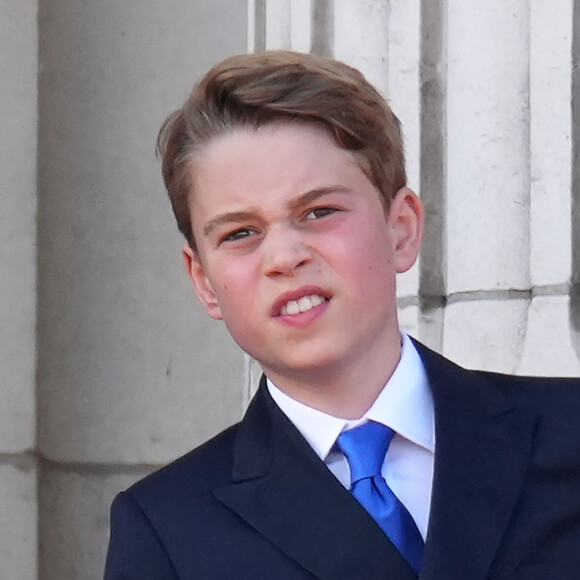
[285,251]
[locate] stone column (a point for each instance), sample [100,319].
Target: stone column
[18,119]
[284,24]
[487,182]
[484,92]
[131,373]
[551,32]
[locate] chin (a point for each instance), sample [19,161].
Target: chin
[306,367]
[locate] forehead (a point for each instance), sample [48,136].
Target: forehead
[275,158]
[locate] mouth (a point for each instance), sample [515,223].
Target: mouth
[299,301]
[303,305]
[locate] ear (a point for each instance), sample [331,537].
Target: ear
[201,283]
[406,222]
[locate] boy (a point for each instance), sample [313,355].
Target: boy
[363,455]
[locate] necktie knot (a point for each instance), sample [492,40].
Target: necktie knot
[365,448]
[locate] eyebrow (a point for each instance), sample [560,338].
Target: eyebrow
[226,218]
[240,216]
[314,194]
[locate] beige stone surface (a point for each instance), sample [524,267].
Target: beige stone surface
[18,119]
[409,320]
[368,19]
[403,70]
[486,334]
[550,141]
[279,25]
[129,370]
[18,543]
[487,134]
[551,346]
[74,522]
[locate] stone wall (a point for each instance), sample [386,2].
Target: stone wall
[18,201]
[108,368]
[484,92]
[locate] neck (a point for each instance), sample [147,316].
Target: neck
[344,390]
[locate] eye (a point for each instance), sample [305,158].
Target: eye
[320,212]
[237,235]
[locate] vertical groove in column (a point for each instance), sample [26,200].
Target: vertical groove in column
[260,25]
[433,261]
[323,27]
[575,274]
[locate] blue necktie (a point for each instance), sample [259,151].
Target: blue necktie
[365,448]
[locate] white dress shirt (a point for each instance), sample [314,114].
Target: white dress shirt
[406,406]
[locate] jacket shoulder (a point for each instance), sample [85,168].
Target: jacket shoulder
[545,393]
[195,473]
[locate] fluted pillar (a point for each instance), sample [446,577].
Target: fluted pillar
[131,373]
[551,135]
[488,182]
[18,119]
[485,93]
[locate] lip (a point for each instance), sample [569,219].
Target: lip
[296,295]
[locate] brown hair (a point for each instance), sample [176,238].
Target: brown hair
[253,90]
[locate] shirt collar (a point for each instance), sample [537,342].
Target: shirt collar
[405,405]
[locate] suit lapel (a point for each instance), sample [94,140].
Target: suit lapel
[482,452]
[282,490]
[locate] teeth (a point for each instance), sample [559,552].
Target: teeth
[316,300]
[305,303]
[291,308]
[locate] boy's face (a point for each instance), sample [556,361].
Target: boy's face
[295,252]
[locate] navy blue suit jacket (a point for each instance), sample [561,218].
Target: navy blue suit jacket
[256,503]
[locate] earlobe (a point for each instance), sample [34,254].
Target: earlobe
[406,219]
[201,284]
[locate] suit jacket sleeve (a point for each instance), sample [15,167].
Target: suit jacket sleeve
[135,551]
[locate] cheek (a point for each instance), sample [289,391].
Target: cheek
[367,262]
[364,247]
[234,288]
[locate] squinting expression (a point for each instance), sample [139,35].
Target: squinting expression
[295,252]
